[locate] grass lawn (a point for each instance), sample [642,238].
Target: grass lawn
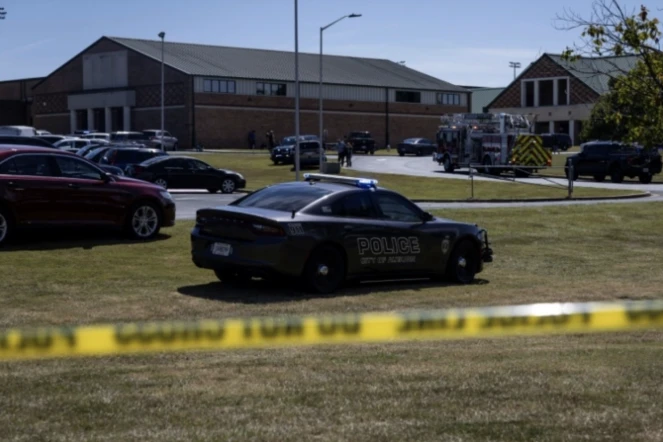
[260,172]
[595,387]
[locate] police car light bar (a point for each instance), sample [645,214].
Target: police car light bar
[364,183]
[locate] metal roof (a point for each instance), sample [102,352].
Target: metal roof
[595,72]
[262,64]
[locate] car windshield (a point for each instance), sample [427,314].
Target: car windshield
[283,199]
[95,152]
[155,160]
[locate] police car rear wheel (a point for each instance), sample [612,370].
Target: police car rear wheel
[325,270]
[463,263]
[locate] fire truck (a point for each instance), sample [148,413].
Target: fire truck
[490,143]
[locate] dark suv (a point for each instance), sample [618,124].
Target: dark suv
[556,142]
[124,157]
[44,187]
[617,160]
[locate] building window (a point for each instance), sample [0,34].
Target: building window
[271,89]
[546,92]
[562,91]
[529,94]
[218,86]
[408,97]
[448,99]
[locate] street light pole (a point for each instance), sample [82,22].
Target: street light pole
[320,84]
[162,35]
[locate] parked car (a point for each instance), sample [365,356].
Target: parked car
[362,141]
[41,187]
[18,131]
[122,136]
[74,144]
[52,139]
[112,169]
[42,132]
[123,157]
[96,136]
[330,230]
[284,153]
[616,160]
[556,141]
[81,132]
[159,140]
[179,172]
[416,146]
[24,141]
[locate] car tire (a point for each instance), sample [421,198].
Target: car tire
[616,175]
[176,147]
[144,221]
[401,154]
[419,152]
[645,178]
[487,162]
[324,271]
[6,226]
[599,178]
[161,182]
[463,262]
[228,185]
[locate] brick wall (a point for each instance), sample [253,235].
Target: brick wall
[228,128]
[56,124]
[545,68]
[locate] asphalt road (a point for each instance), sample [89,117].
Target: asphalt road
[188,201]
[425,166]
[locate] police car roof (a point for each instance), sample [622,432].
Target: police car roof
[331,186]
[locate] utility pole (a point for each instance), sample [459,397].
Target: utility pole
[162,35]
[515,65]
[296,93]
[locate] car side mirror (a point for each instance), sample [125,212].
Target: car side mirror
[428,217]
[106,177]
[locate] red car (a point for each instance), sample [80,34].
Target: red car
[47,187]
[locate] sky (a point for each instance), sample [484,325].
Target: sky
[468,43]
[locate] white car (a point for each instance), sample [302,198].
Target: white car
[74,144]
[18,131]
[97,136]
[160,140]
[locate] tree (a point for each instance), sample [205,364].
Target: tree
[633,108]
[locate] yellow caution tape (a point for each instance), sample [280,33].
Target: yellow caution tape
[170,336]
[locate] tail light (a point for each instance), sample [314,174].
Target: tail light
[264,230]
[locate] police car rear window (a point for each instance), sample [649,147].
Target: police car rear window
[283,199]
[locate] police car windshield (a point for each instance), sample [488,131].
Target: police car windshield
[283,199]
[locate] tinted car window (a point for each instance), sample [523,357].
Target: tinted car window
[197,165]
[283,199]
[357,205]
[396,208]
[31,165]
[73,168]
[96,154]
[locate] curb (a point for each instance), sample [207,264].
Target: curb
[540,200]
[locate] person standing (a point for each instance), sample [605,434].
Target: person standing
[252,139]
[340,148]
[270,140]
[348,153]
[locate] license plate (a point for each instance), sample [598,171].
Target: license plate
[221,249]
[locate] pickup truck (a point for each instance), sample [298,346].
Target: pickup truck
[599,159]
[362,142]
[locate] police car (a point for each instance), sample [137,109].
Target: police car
[328,230]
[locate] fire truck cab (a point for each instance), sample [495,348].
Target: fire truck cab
[484,141]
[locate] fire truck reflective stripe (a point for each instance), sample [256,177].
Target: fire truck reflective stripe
[528,150]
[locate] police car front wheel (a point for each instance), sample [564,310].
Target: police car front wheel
[325,270]
[463,263]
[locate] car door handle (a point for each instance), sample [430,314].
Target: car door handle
[348,228]
[73,186]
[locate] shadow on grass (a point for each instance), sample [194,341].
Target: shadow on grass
[261,291]
[71,238]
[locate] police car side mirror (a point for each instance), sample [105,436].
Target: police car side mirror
[427,217]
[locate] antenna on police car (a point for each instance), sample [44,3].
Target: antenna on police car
[293,213]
